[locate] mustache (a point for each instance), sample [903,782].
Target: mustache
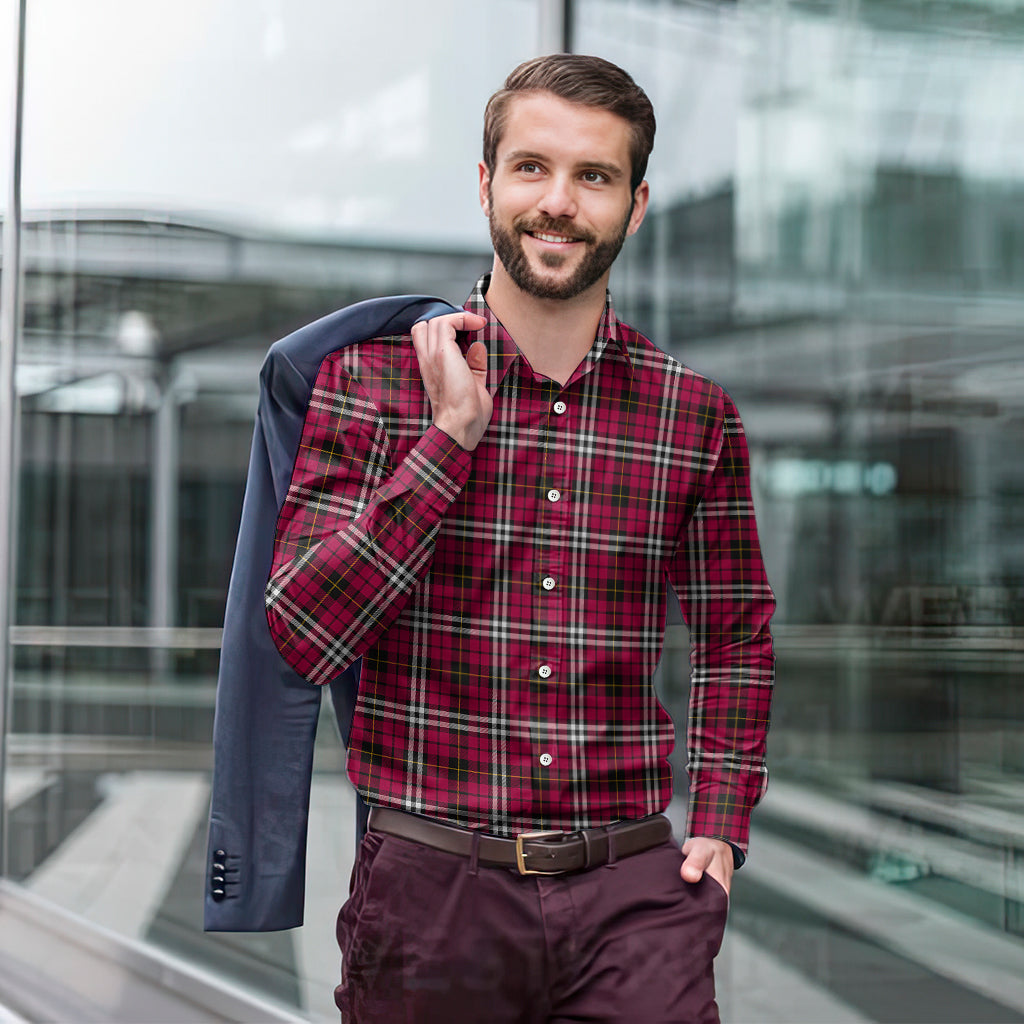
[552,226]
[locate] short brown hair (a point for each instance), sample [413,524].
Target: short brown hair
[591,81]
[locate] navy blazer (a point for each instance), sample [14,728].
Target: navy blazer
[266,714]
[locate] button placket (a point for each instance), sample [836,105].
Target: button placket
[556,514]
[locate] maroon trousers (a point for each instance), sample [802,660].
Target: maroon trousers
[430,937]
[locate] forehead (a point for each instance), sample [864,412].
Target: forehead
[542,123]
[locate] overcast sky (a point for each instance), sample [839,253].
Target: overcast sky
[325,116]
[338,117]
[363,119]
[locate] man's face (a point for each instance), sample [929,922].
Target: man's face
[559,202]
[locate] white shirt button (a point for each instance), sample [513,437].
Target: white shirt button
[559,407]
[548,583]
[544,671]
[546,759]
[554,495]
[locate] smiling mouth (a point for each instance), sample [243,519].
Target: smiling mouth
[545,237]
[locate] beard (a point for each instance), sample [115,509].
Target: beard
[599,255]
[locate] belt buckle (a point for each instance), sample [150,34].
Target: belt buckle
[521,856]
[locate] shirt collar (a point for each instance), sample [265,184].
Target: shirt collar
[502,351]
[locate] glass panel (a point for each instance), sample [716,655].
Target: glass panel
[8,55]
[836,236]
[328,119]
[8,26]
[201,178]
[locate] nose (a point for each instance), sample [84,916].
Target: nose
[559,198]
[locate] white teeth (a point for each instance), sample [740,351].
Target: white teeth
[551,238]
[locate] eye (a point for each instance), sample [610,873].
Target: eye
[594,177]
[529,167]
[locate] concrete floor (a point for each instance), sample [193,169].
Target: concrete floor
[810,941]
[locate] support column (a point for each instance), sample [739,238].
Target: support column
[163,545]
[554,26]
[10,322]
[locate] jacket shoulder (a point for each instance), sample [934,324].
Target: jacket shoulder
[394,314]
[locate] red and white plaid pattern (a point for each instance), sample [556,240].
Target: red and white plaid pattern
[509,603]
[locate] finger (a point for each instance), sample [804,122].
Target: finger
[461,321]
[442,329]
[471,321]
[477,357]
[419,336]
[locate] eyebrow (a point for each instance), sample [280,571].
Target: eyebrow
[613,171]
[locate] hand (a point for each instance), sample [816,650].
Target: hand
[456,386]
[714,856]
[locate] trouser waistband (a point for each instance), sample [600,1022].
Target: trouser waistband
[530,853]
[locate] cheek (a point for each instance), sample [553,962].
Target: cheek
[514,197]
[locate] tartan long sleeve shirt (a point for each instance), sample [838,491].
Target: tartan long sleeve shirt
[509,603]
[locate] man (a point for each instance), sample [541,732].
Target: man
[489,517]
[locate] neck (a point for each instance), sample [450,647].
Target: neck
[553,334]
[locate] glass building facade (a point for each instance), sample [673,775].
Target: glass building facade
[836,235]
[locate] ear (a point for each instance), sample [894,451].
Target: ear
[641,197]
[485,184]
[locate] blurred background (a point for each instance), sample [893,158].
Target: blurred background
[836,235]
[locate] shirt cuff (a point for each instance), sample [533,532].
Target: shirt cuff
[721,809]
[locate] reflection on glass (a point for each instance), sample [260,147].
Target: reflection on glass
[837,237]
[200,179]
[8,25]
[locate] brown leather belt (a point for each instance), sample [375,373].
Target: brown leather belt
[530,853]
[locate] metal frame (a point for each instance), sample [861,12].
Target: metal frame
[10,326]
[554,26]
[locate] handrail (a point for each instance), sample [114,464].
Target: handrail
[53,963]
[168,637]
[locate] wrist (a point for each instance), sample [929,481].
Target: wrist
[462,434]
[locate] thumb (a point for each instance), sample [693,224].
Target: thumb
[477,357]
[695,861]
[692,870]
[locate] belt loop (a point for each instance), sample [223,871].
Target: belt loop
[611,845]
[474,853]
[586,848]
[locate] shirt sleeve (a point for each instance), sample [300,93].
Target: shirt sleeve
[354,536]
[718,575]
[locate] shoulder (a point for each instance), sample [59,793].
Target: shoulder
[655,368]
[306,348]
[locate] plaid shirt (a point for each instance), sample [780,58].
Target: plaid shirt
[509,603]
